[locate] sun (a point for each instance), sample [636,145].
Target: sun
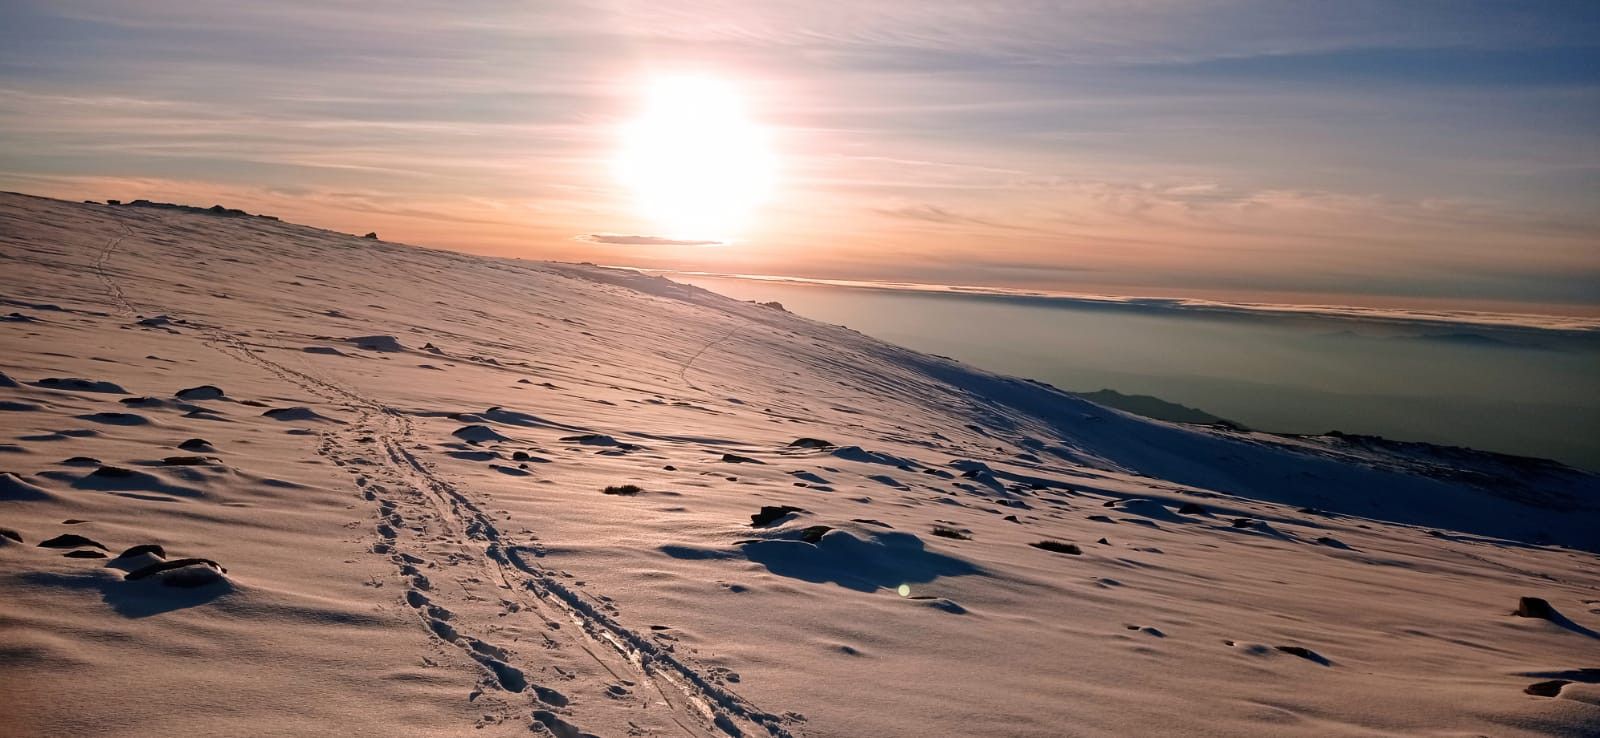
[697,165]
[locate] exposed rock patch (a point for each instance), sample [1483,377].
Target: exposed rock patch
[771,514]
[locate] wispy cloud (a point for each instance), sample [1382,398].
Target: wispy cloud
[621,240]
[930,213]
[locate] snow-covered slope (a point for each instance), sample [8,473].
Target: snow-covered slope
[403,464]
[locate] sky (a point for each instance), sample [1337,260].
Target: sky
[1397,153]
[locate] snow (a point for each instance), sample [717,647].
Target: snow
[409,534]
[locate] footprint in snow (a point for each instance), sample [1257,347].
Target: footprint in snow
[551,723]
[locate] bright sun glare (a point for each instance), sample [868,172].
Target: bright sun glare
[697,165]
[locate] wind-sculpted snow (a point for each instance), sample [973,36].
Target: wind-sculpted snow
[369,489]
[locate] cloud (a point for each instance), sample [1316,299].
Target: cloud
[621,240]
[930,213]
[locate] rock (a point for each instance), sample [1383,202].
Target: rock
[77,384]
[1189,508]
[111,472]
[477,434]
[71,540]
[203,392]
[196,444]
[772,513]
[1551,688]
[810,443]
[9,533]
[1303,652]
[372,235]
[1103,542]
[814,533]
[1011,519]
[737,459]
[1243,522]
[669,467]
[520,456]
[382,344]
[293,413]
[1534,607]
[84,554]
[627,490]
[945,531]
[185,461]
[182,573]
[116,418]
[1058,547]
[144,548]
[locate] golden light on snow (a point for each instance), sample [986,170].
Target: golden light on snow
[696,163]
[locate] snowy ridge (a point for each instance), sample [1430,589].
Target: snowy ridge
[454,494]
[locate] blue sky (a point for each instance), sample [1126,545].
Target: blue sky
[1367,152]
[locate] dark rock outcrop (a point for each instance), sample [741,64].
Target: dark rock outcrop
[1534,607]
[1058,547]
[203,392]
[71,540]
[772,513]
[153,549]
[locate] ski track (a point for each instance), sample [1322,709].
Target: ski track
[702,706]
[683,370]
[112,288]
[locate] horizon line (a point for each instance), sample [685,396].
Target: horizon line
[1547,323]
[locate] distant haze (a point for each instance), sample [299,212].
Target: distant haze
[1513,389]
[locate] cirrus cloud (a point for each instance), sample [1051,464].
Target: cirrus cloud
[618,239]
